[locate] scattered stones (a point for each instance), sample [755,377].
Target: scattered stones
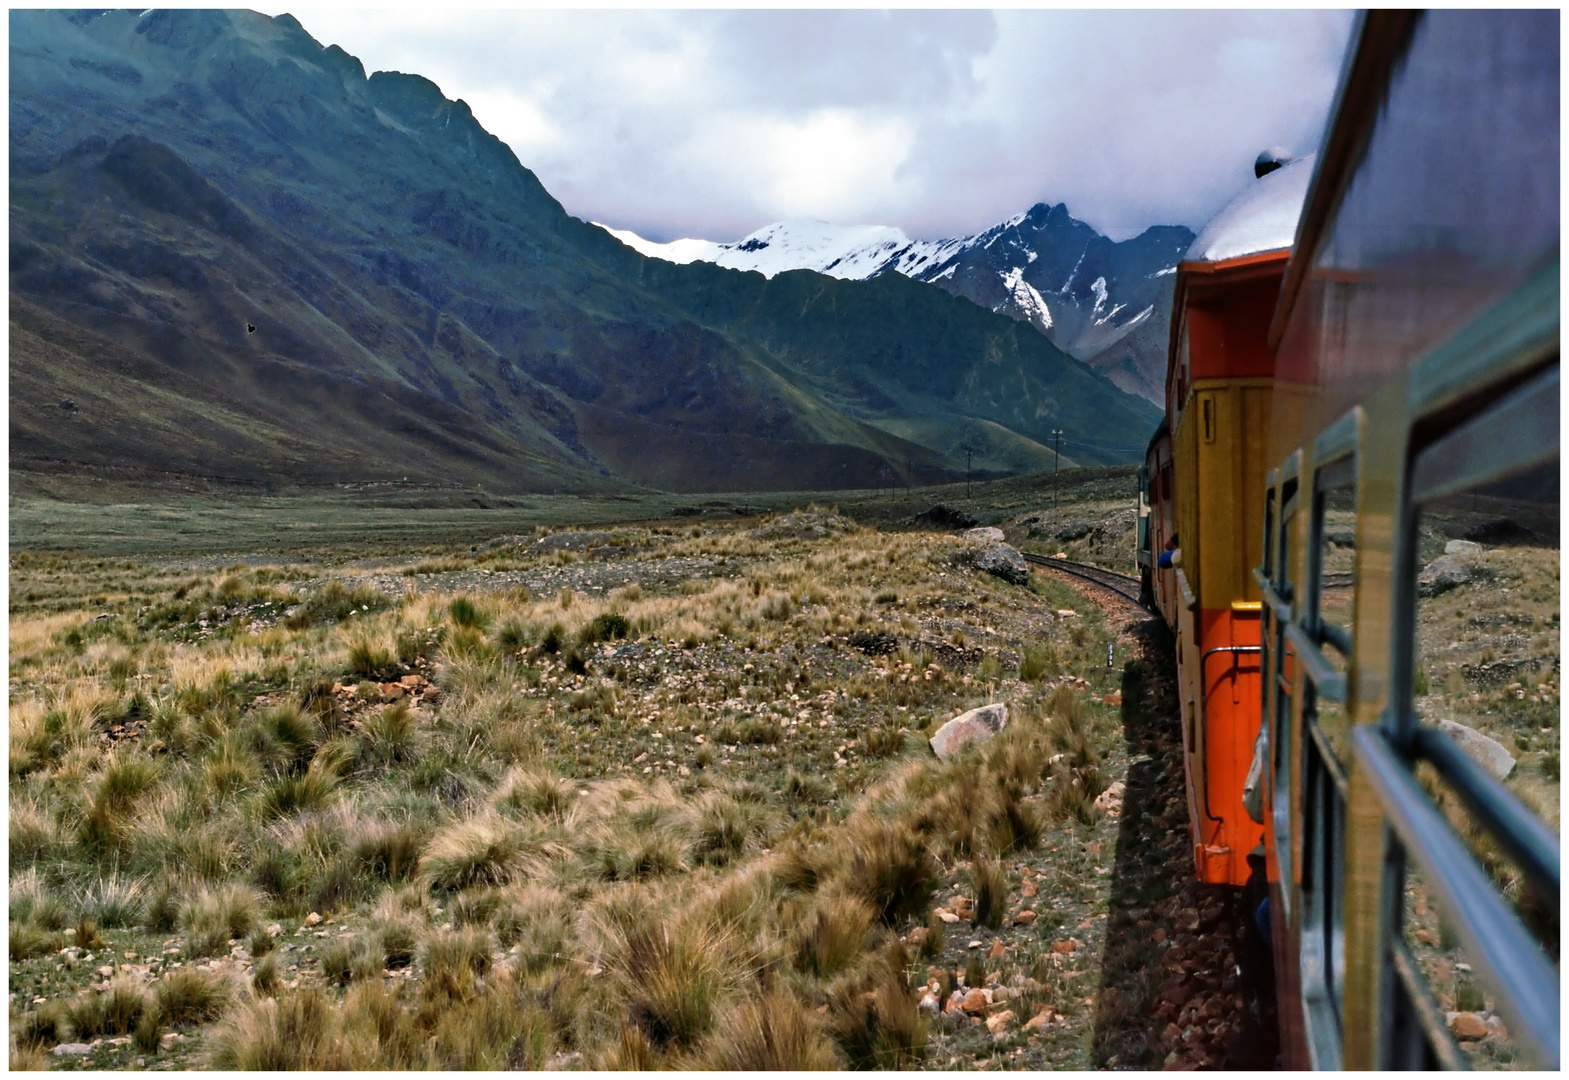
[1110,801]
[977,725]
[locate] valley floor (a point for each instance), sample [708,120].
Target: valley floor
[641,795]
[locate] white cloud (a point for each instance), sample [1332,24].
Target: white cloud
[712,123]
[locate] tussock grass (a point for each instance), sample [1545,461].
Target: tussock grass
[189,995]
[699,914]
[773,1033]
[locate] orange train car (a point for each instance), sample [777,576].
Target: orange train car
[1205,467]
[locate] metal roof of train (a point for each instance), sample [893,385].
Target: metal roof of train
[1262,218]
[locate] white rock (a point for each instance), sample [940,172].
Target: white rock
[976,725]
[984,534]
[1462,547]
[1479,748]
[72,1048]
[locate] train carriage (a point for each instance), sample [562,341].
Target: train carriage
[1326,405]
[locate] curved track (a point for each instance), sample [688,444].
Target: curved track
[1124,585]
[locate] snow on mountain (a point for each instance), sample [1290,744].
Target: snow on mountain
[1094,284]
[677,251]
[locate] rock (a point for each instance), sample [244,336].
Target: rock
[804,525]
[929,1003]
[976,944]
[1467,1025]
[977,725]
[1024,918]
[1001,560]
[1479,748]
[72,1048]
[997,951]
[946,916]
[918,936]
[392,691]
[1110,800]
[1462,547]
[945,517]
[984,534]
[1041,1019]
[412,682]
[105,971]
[975,1001]
[999,1023]
[313,919]
[1028,889]
[1066,946]
[1442,574]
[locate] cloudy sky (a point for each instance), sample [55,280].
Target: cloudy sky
[714,123]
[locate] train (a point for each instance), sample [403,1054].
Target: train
[1364,346]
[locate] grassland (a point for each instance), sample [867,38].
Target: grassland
[650,795]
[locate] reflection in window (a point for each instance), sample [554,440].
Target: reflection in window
[1487,673]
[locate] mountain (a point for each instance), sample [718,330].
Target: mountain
[1104,302]
[235,254]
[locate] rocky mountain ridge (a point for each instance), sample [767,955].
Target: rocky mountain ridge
[1103,302]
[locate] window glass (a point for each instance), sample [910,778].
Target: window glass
[1486,671]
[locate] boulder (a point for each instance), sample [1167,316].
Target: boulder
[977,725]
[1001,560]
[984,534]
[1462,547]
[72,1048]
[1442,574]
[945,517]
[999,1023]
[1467,1025]
[1041,1019]
[1479,748]
[975,1001]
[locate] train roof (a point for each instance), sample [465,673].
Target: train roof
[1262,218]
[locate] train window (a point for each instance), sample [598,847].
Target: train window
[1486,673]
[1466,764]
[1321,639]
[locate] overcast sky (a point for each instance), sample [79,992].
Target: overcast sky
[714,123]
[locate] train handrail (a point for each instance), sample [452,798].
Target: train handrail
[1495,941]
[1330,684]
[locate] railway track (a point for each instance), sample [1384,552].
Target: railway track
[1125,585]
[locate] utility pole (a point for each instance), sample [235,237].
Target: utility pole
[1056,452]
[969,455]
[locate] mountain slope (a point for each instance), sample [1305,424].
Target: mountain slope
[334,277]
[1086,293]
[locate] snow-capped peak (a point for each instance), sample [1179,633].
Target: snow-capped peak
[843,251]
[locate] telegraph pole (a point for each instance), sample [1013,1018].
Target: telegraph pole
[969,455]
[1056,452]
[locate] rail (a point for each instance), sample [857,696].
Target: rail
[1125,585]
